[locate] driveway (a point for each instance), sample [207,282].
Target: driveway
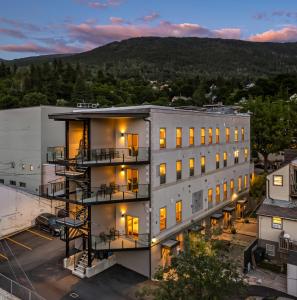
[36,262]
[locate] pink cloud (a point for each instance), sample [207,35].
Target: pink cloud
[20,24]
[286,34]
[116,20]
[100,4]
[12,32]
[149,18]
[102,34]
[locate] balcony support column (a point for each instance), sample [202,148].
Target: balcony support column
[89,237]
[67,241]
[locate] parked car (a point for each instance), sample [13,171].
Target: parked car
[48,222]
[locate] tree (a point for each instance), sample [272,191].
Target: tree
[34,99]
[272,126]
[198,272]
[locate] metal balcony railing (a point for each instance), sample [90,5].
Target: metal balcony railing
[286,244]
[92,195]
[115,241]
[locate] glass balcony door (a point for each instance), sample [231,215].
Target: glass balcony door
[133,143]
[132,225]
[132,180]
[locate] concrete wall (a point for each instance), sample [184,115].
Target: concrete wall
[25,134]
[292,280]
[19,209]
[279,192]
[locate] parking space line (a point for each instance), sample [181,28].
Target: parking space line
[18,243]
[2,255]
[40,235]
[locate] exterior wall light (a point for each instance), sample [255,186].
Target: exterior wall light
[234,196]
[154,240]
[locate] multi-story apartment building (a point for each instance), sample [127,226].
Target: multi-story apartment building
[25,135]
[277,216]
[137,177]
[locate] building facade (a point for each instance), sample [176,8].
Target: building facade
[25,135]
[135,178]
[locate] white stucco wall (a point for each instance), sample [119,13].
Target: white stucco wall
[19,209]
[292,280]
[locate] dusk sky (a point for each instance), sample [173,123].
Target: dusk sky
[36,27]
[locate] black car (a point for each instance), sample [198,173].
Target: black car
[48,222]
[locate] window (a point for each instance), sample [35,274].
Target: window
[239,183]
[225,159]
[236,135]
[245,182]
[278,180]
[209,195]
[163,217]
[191,136]
[178,169]
[246,154]
[236,156]
[192,166]
[162,138]
[178,137]
[12,182]
[22,184]
[162,173]
[225,187]
[209,135]
[217,160]
[202,162]
[218,193]
[231,187]
[178,211]
[31,168]
[242,134]
[217,135]
[202,136]
[277,223]
[227,135]
[270,249]
[2,181]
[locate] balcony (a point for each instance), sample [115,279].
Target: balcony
[96,195]
[100,157]
[117,242]
[286,244]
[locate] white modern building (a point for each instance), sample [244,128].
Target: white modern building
[135,178]
[25,135]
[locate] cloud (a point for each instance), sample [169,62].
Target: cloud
[20,24]
[260,16]
[102,34]
[29,47]
[100,4]
[277,13]
[149,18]
[12,32]
[116,20]
[286,34]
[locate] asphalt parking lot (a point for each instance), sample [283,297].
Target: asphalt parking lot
[34,259]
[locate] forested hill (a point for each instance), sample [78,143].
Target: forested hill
[162,58]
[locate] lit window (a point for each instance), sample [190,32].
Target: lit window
[227,135]
[242,134]
[246,154]
[277,223]
[202,162]
[192,166]
[162,173]
[217,135]
[162,218]
[162,138]
[245,181]
[178,137]
[209,195]
[202,136]
[225,159]
[239,183]
[209,135]
[231,187]
[191,136]
[218,193]
[178,169]
[225,187]
[278,180]
[31,168]
[178,211]
[236,156]
[217,160]
[236,135]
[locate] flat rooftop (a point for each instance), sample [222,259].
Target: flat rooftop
[142,111]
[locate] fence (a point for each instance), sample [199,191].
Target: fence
[17,290]
[248,255]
